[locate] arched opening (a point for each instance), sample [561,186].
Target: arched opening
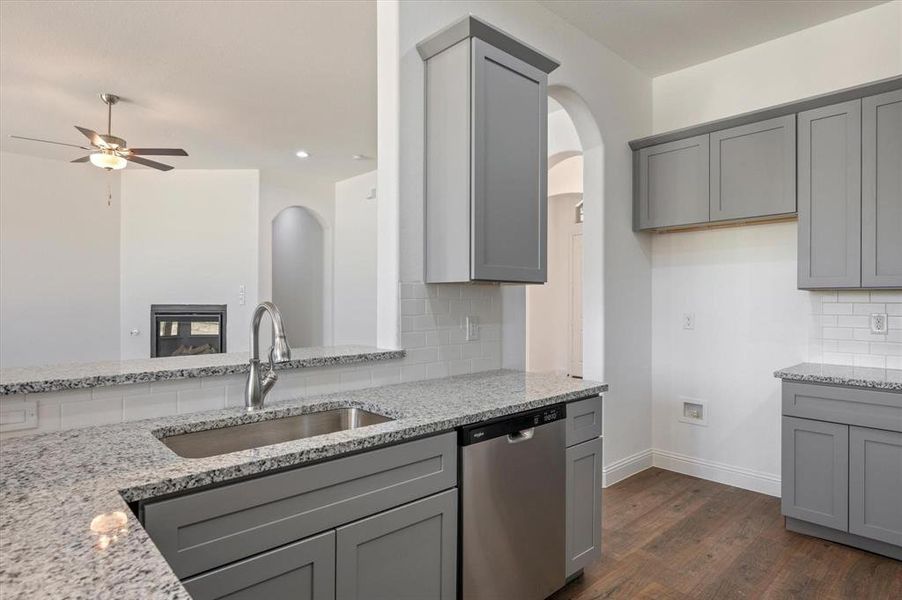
[583,140]
[554,310]
[298,282]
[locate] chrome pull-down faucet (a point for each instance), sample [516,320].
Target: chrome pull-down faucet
[258,382]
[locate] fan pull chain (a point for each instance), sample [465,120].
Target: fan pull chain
[109,190]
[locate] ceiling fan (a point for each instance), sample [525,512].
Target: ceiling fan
[110,152]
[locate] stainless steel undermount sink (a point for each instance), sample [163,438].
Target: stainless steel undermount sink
[212,442]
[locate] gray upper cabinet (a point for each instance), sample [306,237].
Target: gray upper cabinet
[815,480]
[673,184]
[875,484]
[406,553]
[829,167]
[303,570]
[486,156]
[881,187]
[753,170]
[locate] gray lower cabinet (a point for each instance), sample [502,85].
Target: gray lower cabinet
[881,191]
[829,170]
[842,465]
[303,570]
[875,484]
[583,512]
[673,184]
[406,553]
[815,479]
[753,170]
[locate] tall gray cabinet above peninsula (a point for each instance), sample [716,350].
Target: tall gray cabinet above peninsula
[833,160]
[486,156]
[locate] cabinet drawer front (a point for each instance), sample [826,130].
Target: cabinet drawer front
[753,170]
[304,570]
[853,406]
[408,552]
[673,183]
[211,528]
[875,484]
[583,420]
[815,478]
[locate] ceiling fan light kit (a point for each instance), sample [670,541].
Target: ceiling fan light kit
[111,152]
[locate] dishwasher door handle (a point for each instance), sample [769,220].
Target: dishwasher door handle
[523,435]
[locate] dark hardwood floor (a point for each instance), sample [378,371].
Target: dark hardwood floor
[670,536]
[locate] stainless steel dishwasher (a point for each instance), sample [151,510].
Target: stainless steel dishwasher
[512,506]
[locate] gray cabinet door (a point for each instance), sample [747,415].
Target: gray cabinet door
[304,570]
[673,183]
[583,512]
[753,170]
[875,484]
[815,480]
[409,553]
[509,169]
[829,172]
[881,191]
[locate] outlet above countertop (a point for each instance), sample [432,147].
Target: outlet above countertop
[53,378]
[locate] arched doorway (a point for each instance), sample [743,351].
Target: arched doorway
[298,248]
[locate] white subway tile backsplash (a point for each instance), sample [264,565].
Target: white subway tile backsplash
[894,362]
[413,373]
[459,367]
[386,375]
[886,296]
[857,321]
[868,309]
[869,360]
[853,296]
[148,406]
[436,370]
[886,348]
[894,309]
[95,411]
[413,339]
[209,398]
[413,307]
[838,333]
[837,308]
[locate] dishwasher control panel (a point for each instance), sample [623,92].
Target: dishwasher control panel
[487,430]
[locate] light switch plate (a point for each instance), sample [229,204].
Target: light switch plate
[879,323]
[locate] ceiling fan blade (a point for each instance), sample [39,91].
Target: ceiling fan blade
[82,159]
[91,135]
[19,137]
[147,163]
[158,152]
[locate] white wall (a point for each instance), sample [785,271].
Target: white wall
[297,265]
[616,100]
[855,49]
[354,259]
[187,237]
[741,282]
[278,191]
[59,262]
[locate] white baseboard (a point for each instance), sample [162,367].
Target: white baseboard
[756,481]
[626,467]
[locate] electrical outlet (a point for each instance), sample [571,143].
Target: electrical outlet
[879,323]
[688,320]
[472,327]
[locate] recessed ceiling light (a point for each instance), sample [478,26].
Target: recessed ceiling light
[302,154]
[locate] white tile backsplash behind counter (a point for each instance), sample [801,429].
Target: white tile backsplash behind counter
[841,333]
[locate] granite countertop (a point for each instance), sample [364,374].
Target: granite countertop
[53,485]
[25,380]
[864,377]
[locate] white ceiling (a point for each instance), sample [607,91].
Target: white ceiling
[660,36]
[238,84]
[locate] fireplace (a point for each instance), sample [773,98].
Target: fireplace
[187,329]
